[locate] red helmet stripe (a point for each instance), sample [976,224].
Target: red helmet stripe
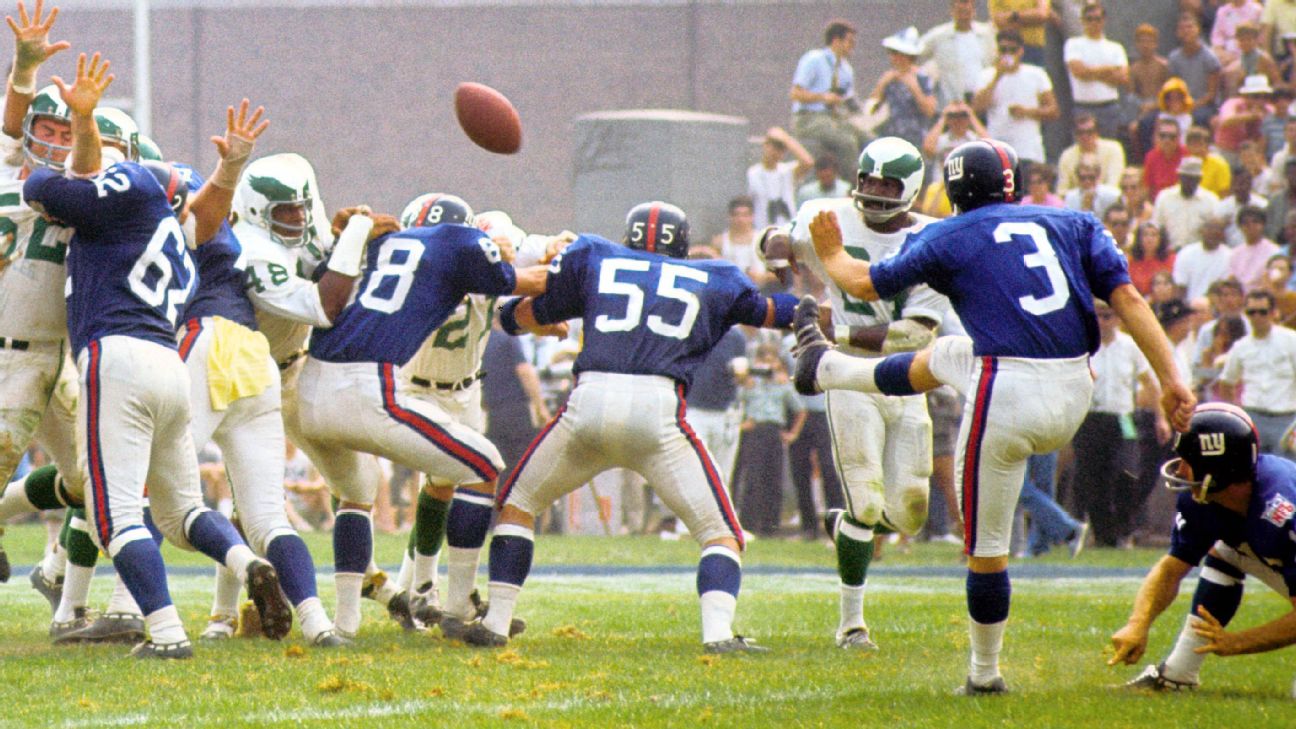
[1009,195]
[651,244]
[422,216]
[172,184]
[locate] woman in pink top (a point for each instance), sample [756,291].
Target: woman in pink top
[1039,187]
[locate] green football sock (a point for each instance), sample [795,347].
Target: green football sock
[854,551]
[429,524]
[81,549]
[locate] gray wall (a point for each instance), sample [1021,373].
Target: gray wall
[365,91]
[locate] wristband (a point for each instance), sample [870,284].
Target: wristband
[23,82]
[349,248]
[508,317]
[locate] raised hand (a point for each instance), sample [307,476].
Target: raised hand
[31,36]
[92,80]
[826,234]
[241,132]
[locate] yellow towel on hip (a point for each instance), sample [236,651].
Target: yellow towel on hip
[238,363]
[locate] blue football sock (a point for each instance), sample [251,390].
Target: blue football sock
[140,565]
[469,519]
[352,541]
[291,559]
[988,596]
[213,535]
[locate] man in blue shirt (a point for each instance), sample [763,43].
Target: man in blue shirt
[823,95]
[1023,281]
[650,320]
[1234,518]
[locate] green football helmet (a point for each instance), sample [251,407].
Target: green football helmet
[275,194]
[47,104]
[149,151]
[118,129]
[889,158]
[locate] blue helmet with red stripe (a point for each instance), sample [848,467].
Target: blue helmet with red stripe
[982,172]
[657,227]
[172,181]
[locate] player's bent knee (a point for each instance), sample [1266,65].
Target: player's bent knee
[912,514]
[511,514]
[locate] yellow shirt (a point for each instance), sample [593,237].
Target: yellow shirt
[1033,35]
[1279,13]
[1216,175]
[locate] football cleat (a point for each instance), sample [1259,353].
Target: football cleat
[810,347]
[736,644]
[219,627]
[174,651]
[113,628]
[453,628]
[483,637]
[1153,678]
[995,687]
[425,609]
[272,607]
[63,632]
[1077,540]
[53,591]
[399,609]
[856,639]
[331,639]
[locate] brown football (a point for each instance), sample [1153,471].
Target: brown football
[488,118]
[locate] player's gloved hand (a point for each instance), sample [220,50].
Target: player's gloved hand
[906,335]
[31,45]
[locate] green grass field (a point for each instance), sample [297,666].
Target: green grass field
[616,644]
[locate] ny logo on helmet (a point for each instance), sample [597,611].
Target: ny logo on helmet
[1212,444]
[954,168]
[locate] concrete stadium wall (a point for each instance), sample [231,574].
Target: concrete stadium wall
[364,89]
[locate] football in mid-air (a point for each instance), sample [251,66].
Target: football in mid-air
[488,118]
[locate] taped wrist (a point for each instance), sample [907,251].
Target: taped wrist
[508,317]
[349,248]
[23,80]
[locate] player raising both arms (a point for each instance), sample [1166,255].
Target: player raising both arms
[1023,281]
[650,318]
[881,445]
[129,277]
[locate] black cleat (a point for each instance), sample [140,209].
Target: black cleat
[172,651]
[736,644]
[810,347]
[331,639]
[399,609]
[424,610]
[63,632]
[53,591]
[994,688]
[1153,678]
[113,628]
[481,636]
[271,605]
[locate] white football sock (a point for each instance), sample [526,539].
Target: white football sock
[405,578]
[987,642]
[54,565]
[503,599]
[347,614]
[76,587]
[121,600]
[228,585]
[238,558]
[838,371]
[461,569]
[1183,664]
[164,626]
[425,571]
[312,618]
[718,608]
[225,507]
[851,607]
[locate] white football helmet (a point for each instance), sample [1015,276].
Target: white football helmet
[117,129]
[890,158]
[47,104]
[276,193]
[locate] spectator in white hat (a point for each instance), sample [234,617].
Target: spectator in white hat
[1180,210]
[907,91]
[1242,117]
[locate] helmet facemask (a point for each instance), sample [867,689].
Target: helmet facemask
[1174,480]
[288,233]
[888,159]
[878,208]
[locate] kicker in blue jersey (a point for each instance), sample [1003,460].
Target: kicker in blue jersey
[129,271]
[998,260]
[412,282]
[644,313]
